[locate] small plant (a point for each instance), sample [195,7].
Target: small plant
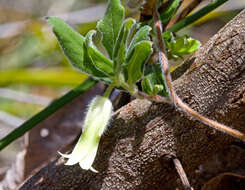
[118,53]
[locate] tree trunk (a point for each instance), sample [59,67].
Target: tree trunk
[133,152]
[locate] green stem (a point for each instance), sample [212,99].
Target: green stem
[194,17]
[108,90]
[29,124]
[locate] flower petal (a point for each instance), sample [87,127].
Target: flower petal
[87,161]
[79,152]
[65,155]
[98,115]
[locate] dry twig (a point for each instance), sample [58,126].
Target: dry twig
[182,174]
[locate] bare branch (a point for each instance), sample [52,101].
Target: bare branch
[182,174]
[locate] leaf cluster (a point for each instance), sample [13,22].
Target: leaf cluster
[117,52]
[127,46]
[179,46]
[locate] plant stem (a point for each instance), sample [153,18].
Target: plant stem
[108,90]
[21,130]
[194,17]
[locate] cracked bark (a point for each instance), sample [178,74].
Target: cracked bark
[133,153]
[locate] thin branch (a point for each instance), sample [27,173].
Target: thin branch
[24,97]
[180,170]
[172,94]
[189,8]
[155,98]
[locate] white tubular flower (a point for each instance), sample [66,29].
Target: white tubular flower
[95,123]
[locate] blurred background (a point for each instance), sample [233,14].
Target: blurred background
[33,70]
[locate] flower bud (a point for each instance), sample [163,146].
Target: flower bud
[95,123]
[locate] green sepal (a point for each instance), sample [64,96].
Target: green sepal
[134,66]
[100,61]
[73,45]
[110,25]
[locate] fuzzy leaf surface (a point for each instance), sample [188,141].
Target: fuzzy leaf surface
[141,35]
[73,45]
[110,25]
[134,66]
[153,81]
[120,47]
[179,46]
[100,61]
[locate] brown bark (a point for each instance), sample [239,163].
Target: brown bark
[133,153]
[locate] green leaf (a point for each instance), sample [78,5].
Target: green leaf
[141,35]
[147,85]
[153,81]
[170,11]
[177,47]
[133,30]
[134,66]
[110,25]
[101,62]
[73,46]
[120,47]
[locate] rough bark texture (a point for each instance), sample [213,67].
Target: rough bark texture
[133,152]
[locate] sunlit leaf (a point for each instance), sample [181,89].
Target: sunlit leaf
[101,62]
[141,35]
[110,25]
[134,67]
[120,47]
[153,81]
[179,46]
[73,46]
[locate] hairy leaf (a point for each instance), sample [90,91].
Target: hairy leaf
[134,66]
[120,47]
[101,62]
[141,35]
[179,46]
[110,25]
[153,81]
[73,46]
